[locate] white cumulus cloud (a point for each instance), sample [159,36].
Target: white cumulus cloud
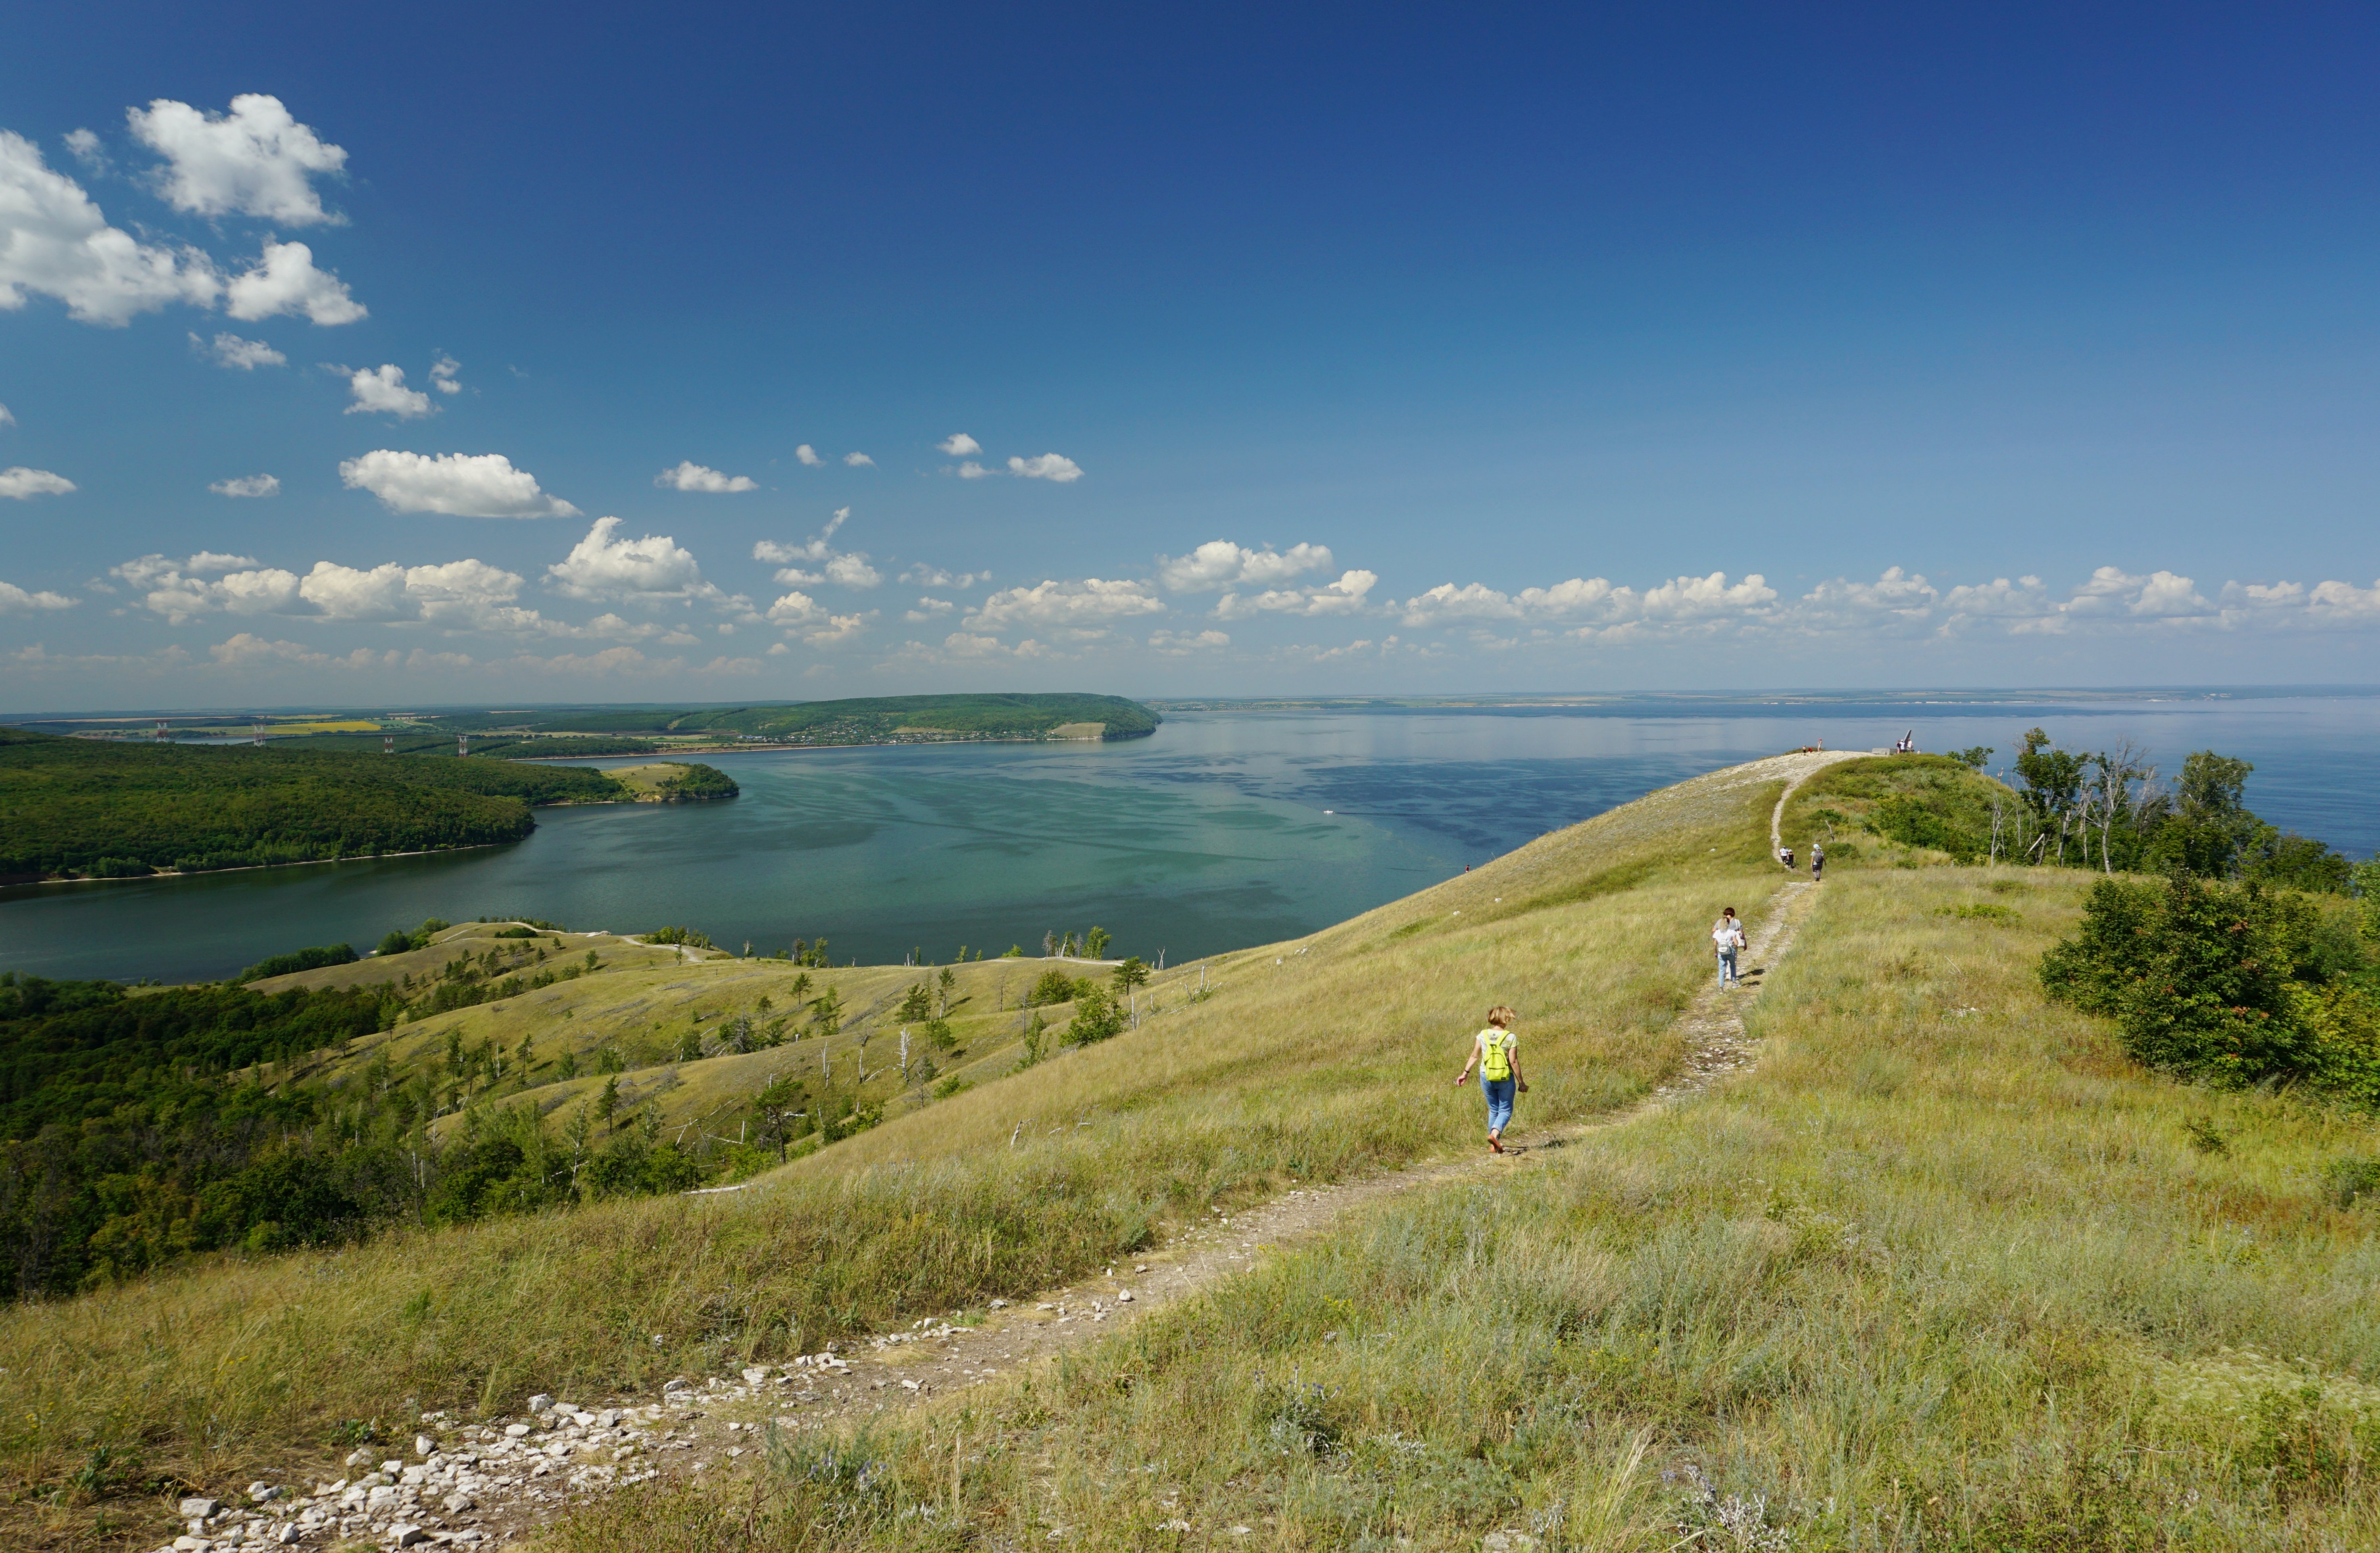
[444,375]
[285,281]
[381,390]
[14,598]
[651,570]
[806,456]
[248,485]
[1181,644]
[20,483]
[842,567]
[852,570]
[231,351]
[1046,465]
[54,242]
[461,484]
[1343,597]
[691,476]
[958,445]
[1088,603]
[859,460]
[934,577]
[973,471]
[1219,564]
[181,590]
[256,160]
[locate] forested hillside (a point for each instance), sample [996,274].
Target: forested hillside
[81,806]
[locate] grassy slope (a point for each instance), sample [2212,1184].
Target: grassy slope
[1331,1062]
[1948,1271]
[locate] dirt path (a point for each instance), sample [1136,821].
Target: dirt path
[935,1360]
[1811,765]
[513,1486]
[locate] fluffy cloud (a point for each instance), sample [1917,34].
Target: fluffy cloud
[246,356]
[181,590]
[248,485]
[859,461]
[1343,597]
[958,445]
[381,390]
[5,417]
[444,375]
[285,281]
[460,595]
[20,483]
[930,608]
[1047,465]
[808,457]
[461,484]
[691,476]
[1089,603]
[14,598]
[649,569]
[256,160]
[844,568]
[1900,604]
[973,471]
[53,242]
[1597,604]
[1177,643]
[934,577]
[1219,564]
[801,615]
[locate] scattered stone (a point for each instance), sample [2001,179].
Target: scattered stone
[458,1501]
[541,1402]
[516,1431]
[423,1445]
[407,1536]
[262,1493]
[359,1458]
[1124,1296]
[1508,1542]
[199,1510]
[754,1374]
[680,1384]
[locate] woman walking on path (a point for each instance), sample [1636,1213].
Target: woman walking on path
[1817,861]
[1727,936]
[1496,1052]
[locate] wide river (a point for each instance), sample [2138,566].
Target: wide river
[1224,829]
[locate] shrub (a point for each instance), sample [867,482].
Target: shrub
[1055,986]
[299,960]
[1097,1017]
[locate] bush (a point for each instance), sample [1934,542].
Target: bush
[2232,985]
[1056,986]
[1097,1017]
[686,936]
[1910,823]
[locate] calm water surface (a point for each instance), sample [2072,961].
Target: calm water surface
[1225,829]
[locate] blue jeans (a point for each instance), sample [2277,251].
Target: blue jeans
[1500,1101]
[1727,966]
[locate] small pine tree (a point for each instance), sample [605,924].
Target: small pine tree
[950,981]
[608,1105]
[1132,973]
[1095,943]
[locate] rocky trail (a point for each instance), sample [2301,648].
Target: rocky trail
[495,1484]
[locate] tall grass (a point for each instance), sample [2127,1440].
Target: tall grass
[1945,1272]
[1316,1064]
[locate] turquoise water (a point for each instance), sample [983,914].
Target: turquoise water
[1225,829]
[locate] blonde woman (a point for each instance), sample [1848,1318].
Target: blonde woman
[1496,1052]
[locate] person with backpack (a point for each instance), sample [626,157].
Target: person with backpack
[1496,1052]
[1817,861]
[1727,936]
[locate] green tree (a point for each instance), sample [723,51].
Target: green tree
[1098,1016]
[1130,974]
[774,1108]
[916,1006]
[1095,943]
[568,1068]
[826,1013]
[1975,757]
[950,980]
[607,1105]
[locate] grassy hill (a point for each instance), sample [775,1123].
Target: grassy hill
[1946,1270]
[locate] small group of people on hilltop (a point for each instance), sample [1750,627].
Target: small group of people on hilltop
[1817,859]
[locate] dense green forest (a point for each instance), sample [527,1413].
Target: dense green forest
[108,810]
[508,747]
[867,719]
[140,1125]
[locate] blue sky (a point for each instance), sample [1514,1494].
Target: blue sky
[461,354]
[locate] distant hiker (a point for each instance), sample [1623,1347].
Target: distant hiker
[1785,852]
[1817,861]
[1727,936]
[1496,1052]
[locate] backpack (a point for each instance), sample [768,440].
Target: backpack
[1495,1053]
